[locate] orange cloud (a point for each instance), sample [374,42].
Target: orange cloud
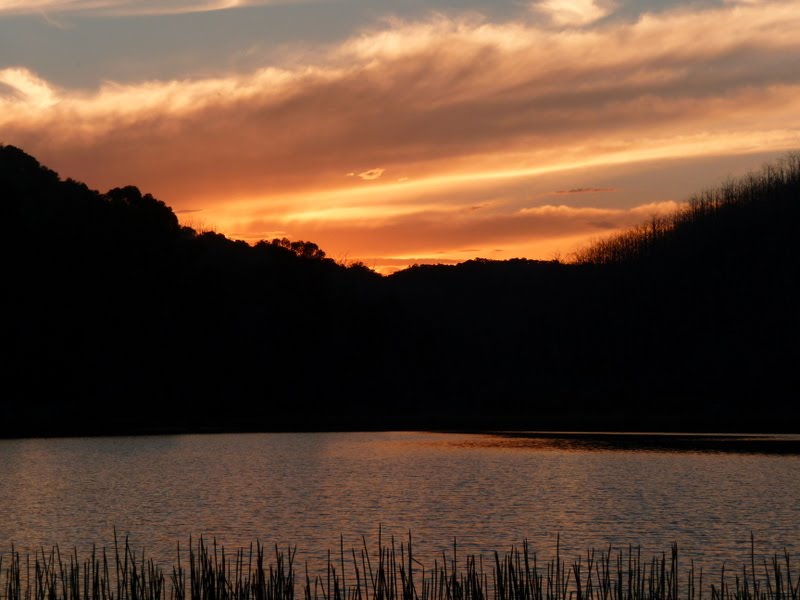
[459,107]
[371,174]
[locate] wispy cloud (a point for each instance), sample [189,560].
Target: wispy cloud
[24,88]
[124,7]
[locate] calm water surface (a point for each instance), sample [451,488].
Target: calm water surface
[488,491]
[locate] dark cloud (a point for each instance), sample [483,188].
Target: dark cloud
[590,190]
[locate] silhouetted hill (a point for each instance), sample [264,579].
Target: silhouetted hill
[117,319]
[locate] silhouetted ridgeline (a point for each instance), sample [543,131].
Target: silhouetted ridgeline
[115,318]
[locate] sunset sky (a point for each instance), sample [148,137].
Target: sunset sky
[400,131]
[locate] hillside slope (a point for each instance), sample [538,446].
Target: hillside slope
[117,319]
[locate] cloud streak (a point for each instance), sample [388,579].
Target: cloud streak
[457,107]
[590,190]
[464,234]
[123,8]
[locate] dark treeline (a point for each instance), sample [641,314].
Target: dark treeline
[117,319]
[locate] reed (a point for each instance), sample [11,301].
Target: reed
[390,573]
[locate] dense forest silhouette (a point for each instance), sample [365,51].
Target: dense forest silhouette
[117,319]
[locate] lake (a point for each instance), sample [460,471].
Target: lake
[488,491]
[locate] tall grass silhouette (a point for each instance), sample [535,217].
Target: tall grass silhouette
[391,572]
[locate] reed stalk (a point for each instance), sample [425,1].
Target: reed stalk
[252,574]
